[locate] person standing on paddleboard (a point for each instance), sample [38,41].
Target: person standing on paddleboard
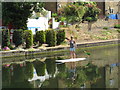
[72,47]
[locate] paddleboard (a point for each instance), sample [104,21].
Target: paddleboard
[71,60]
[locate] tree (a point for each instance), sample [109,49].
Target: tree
[91,14]
[73,12]
[17,13]
[76,12]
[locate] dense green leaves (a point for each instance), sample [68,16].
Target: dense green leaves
[40,37]
[60,36]
[51,37]
[80,11]
[40,67]
[18,37]
[72,12]
[29,70]
[5,38]
[117,26]
[28,38]
[17,13]
[50,66]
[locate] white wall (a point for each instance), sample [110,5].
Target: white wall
[40,24]
[55,25]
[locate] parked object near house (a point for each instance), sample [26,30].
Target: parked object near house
[113,16]
[118,16]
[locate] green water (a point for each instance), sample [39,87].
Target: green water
[99,70]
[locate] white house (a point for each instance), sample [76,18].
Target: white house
[41,23]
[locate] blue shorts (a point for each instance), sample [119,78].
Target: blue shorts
[72,49]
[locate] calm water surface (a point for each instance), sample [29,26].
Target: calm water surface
[100,70]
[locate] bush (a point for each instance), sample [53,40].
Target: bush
[6,49]
[29,70]
[28,38]
[54,15]
[50,66]
[40,37]
[106,28]
[51,37]
[34,39]
[5,38]
[40,67]
[18,37]
[60,36]
[118,30]
[117,26]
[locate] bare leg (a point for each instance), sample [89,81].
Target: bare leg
[71,54]
[74,55]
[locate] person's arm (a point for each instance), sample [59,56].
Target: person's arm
[75,44]
[67,39]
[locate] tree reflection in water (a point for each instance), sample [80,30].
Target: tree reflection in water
[68,74]
[50,66]
[40,67]
[77,76]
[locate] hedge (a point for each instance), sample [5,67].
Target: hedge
[5,38]
[51,38]
[29,70]
[6,74]
[34,39]
[18,37]
[28,38]
[40,37]
[50,66]
[60,36]
[40,67]
[117,26]
[18,73]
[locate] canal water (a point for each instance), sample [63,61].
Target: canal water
[99,70]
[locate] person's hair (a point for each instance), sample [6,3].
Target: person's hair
[71,37]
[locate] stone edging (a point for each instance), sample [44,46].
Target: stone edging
[52,49]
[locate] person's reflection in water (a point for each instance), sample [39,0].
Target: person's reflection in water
[72,72]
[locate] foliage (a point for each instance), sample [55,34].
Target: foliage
[6,49]
[62,19]
[40,67]
[60,36]
[72,12]
[34,39]
[51,37]
[61,67]
[76,12]
[91,72]
[18,73]
[5,38]
[18,37]
[28,38]
[50,65]
[17,13]
[54,15]
[117,26]
[118,30]
[40,37]
[5,74]
[106,28]
[29,70]
[92,12]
